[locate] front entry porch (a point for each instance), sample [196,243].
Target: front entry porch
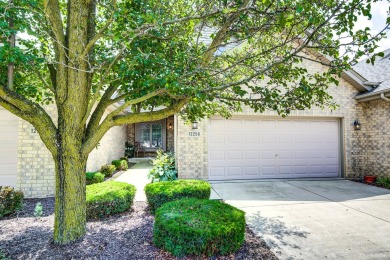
[148,137]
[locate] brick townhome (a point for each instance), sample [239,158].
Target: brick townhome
[310,143]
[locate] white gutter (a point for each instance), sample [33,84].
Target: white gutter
[384,98]
[372,96]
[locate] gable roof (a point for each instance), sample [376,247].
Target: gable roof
[377,75]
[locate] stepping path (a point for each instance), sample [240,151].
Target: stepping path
[137,176]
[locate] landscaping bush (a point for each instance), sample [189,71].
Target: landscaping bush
[121,165]
[385,182]
[129,149]
[108,170]
[3,256]
[107,198]
[199,227]
[163,167]
[93,177]
[159,193]
[10,200]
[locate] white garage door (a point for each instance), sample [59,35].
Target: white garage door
[8,148]
[291,148]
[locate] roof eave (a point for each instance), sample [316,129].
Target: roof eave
[372,96]
[351,76]
[356,80]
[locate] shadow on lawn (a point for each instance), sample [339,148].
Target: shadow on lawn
[275,232]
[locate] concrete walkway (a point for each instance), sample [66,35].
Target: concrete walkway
[311,219]
[137,175]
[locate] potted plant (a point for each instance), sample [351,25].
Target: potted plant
[369,178]
[129,150]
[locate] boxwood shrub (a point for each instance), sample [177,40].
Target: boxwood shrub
[108,170]
[93,177]
[158,193]
[107,198]
[120,164]
[199,227]
[10,200]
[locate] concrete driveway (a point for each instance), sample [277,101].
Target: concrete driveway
[315,219]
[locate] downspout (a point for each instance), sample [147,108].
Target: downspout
[384,98]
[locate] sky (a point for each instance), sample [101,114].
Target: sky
[378,22]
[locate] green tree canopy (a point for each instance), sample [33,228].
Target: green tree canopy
[157,58]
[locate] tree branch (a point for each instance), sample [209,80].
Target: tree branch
[106,101]
[119,120]
[53,14]
[44,82]
[221,35]
[32,113]
[97,36]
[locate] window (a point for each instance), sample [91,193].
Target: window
[151,135]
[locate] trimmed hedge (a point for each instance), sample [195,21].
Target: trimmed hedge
[93,177]
[158,193]
[107,198]
[199,227]
[384,181]
[108,170]
[120,164]
[10,200]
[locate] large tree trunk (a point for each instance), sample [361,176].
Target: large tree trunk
[72,97]
[70,215]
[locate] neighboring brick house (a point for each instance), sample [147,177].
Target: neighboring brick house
[27,164]
[309,143]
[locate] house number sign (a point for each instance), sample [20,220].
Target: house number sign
[194,134]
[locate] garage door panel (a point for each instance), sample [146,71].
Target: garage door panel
[217,171]
[234,139]
[252,171]
[266,155]
[268,170]
[285,154]
[234,171]
[314,153]
[8,158]
[251,125]
[217,139]
[269,139]
[251,139]
[300,154]
[8,148]
[286,169]
[234,124]
[8,180]
[8,137]
[301,169]
[288,148]
[268,125]
[252,155]
[331,168]
[217,155]
[234,155]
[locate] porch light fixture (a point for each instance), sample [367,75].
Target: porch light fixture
[194,125]
[357,125]
[170,126]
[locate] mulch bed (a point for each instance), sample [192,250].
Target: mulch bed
[124,236]
[376,184]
